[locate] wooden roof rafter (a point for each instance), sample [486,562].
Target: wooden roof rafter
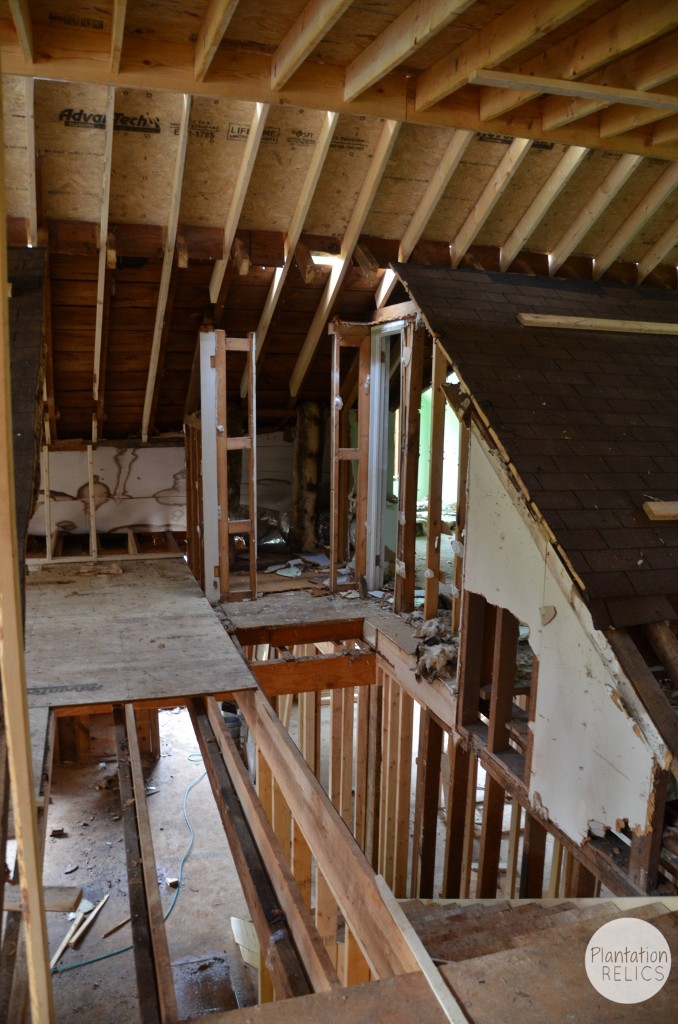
[541,204]
[242,182]
[314,22]
[21,16]
[617,33]
[167,265]
[590,212]
[656,253]
[117,32]
[629,228]
[491,194]
[512,31]
[214,25]
[293,235]
[435,189]
[103,276]
[31,156]
[418,23]
[338,273]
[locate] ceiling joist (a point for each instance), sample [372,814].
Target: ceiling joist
[21,16]
[117,33]
[314,22]
[215,23]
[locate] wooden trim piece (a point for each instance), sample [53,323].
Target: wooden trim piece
[590,323]
[512,31]
[490,196]
[238,195]
[348,873]
[214,25]
[358,217]
[316,962]
[418,23]
[314,22]
[142,933]
[21,17]
[167,264]
[541,204]
[117,33]
[592,210]
[282,959]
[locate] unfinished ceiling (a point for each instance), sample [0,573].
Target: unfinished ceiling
[182,162]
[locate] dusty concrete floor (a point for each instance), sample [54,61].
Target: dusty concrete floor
[201,944]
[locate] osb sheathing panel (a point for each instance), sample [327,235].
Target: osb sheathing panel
[70,137]
[217,136]
[533,173]
[416,154]
[173,21]
[622,206]
[249,30]
[145,147]
[282,162]
[477,167]
[65,14]
[16,160]
[351,151]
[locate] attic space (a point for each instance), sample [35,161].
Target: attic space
[338,508]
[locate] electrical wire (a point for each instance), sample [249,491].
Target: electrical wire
[125,949]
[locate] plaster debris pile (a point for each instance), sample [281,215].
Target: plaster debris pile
[438,651]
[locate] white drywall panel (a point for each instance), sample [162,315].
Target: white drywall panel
[594,745]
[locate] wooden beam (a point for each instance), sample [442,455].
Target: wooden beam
[307,675]
[238,196]
[512,31]
[490,839]
[273,930]
[359,215]
[21,16]
[31,156]
[343,864]
[156,922]
[427,798]
[142,935]
[591,323]
[592,210]
[503,679]
[214,25]
[602,94]
[656,253]
[435,189]
[316,962]
[625,28]
[636,221]
[13,675]
[103,274]
[414,343]
[418,23]
[491,194]
[532,861]
[646,686]
[117,33]
[167,263]
[640,70]
[314,22]
[541,204]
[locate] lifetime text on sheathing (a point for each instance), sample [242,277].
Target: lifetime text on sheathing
[630,964]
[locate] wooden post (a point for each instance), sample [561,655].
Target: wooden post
[13,677]
[389,747]
[93,544]
[503,680]
[470,672]
[374,771]
[556,869]
[426,806]
[326,915]
[532,863]
[645,849]
[490,839]
[361,763]
[435,483]
[469,830]
[462,482]
[509,889]
[579,881]
[411,375]
[305,479]
[457,805]
[403,794]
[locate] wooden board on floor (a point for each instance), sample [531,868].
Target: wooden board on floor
[146,633]
[61,899]
[548,981]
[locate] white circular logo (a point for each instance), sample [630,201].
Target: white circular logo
[628,960]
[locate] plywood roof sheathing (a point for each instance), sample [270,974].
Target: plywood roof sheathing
[619,174]
[513,157]
[630,227]
[215,23]
[540,204]
[167,263]
[339,270]
[117,32]
[239,193]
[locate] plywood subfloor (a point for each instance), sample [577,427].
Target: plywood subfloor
[144,633]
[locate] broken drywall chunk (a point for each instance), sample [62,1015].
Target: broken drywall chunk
[547,613]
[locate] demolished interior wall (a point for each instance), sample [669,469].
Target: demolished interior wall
[594,746]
